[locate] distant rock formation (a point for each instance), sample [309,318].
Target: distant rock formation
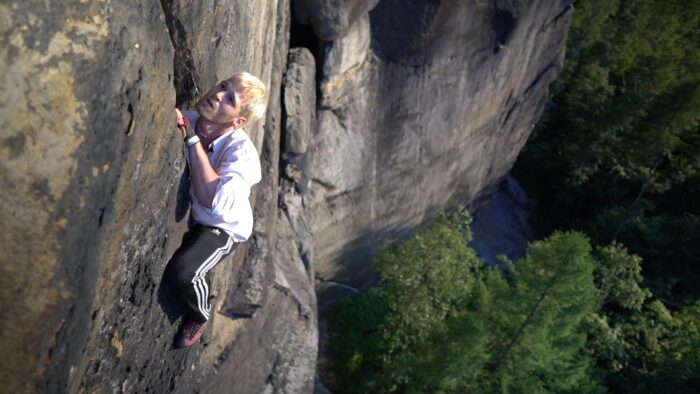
[500,226]
[423,105]
[392,110]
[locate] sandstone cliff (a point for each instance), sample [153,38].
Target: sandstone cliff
[381,112]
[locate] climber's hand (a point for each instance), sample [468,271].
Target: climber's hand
[182,123]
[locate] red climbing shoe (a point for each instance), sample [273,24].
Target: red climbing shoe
[190,333]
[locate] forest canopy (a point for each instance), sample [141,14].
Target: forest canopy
[567,317]
[617,152]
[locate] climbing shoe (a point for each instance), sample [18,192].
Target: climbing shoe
[190,333]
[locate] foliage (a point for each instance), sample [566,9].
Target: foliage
[425,278]
[639,344]
[553,291]
[618,152]
[438,322]
[422,280]
[561,319]
[618,278]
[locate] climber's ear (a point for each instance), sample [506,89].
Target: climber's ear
[239,121]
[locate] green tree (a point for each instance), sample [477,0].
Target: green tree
[553,292]
[618,150]
[439,322]
[639,344]
[422,280]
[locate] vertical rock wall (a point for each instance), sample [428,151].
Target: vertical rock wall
[87,104]
[423,105]
[97,201]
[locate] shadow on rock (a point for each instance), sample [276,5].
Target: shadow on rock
[169,304]
[183,196]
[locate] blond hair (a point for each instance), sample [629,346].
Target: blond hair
[255,102]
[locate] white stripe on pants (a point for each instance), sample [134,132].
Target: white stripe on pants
[199,281]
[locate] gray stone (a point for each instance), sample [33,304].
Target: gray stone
[88,94]
[292,205]
[500,225]
[274,355]
[99,199]
[331,19]
[214,39]
[319,388]
[433,117]
[344,63]
[299,100]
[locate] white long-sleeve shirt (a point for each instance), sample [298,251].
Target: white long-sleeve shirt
[235,159]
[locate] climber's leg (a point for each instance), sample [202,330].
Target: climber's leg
[202,248]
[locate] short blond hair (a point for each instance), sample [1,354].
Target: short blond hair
[255,102]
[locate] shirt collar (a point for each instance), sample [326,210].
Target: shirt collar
[217,142]
[193,116]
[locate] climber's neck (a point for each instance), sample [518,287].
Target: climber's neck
[208,131]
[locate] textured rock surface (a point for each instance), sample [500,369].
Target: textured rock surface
[500,225]
[331,19]
[422,105]
[343,66]
[430,115]
[299,101]
[278,353]
[88,106]
[98,202]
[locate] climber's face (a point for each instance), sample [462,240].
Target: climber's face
[222,104]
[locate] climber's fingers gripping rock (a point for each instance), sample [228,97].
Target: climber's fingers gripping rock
[182,123]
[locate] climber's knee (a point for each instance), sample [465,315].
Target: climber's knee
[177,274]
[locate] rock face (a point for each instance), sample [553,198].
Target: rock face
[500,225]
[331,19]
[407,107]
[424,105]
[85,140]
[98,201]
[299,101]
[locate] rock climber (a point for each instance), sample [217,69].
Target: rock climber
[224,165]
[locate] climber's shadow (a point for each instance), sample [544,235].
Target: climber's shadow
[183,196]
[169,304]
[167,298]
[171,307]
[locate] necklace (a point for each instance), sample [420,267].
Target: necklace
[199,133]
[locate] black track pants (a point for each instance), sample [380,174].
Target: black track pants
[202,248]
